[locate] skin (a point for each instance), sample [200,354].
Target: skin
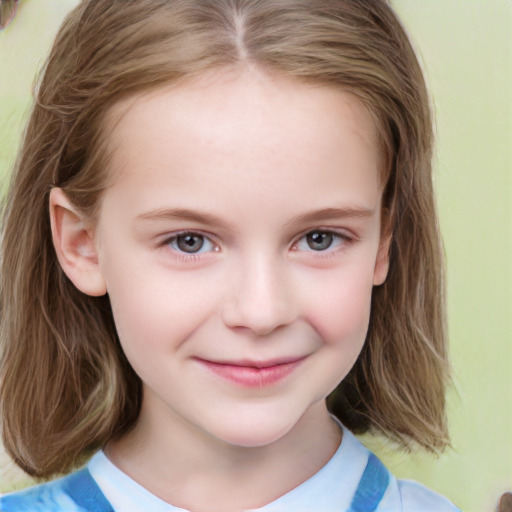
[249,164]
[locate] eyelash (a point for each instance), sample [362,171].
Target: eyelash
[340,239]
[193,256]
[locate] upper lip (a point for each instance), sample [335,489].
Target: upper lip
[252,363]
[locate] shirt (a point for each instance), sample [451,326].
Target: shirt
[353,480]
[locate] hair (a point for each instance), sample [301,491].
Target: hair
[66,387]
[7,11]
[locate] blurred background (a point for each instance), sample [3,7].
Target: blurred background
[466,50]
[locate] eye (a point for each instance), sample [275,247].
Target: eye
[320,240]
[191,243]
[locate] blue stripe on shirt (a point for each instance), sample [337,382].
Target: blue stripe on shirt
[372,486]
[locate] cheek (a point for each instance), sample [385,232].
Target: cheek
[154,309]
[340,312]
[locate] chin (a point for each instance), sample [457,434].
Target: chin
[254,433]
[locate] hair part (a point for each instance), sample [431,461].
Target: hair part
[66,387]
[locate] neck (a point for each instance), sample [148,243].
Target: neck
[190,469]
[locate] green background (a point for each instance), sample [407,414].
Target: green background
[466,50]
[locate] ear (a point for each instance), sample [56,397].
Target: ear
[380,271]
[74,243]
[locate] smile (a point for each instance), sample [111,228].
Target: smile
[251,373]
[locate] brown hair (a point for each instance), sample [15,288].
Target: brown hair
[7,11]
[66,386]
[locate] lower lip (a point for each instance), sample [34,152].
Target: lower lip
[250,376]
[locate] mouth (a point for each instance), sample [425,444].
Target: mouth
[254,374]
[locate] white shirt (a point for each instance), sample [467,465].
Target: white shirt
[331,489]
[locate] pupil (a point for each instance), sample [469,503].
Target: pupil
[190,243]
[319,240]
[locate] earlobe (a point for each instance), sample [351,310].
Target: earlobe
[382,262]
[74,244]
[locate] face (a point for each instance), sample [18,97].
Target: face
[239,244]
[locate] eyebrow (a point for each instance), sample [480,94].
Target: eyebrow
[181,214]
[352,212]
[210,219]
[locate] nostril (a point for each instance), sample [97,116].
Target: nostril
[260,301]
[260,319]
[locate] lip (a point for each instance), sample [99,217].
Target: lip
[253,374]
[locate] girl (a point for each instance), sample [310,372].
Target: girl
[220,258]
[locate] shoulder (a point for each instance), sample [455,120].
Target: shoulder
[77,492]
[379,490]
[417,498]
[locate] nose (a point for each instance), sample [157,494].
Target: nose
[260,299]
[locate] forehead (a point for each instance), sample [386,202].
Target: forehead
[232,128]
